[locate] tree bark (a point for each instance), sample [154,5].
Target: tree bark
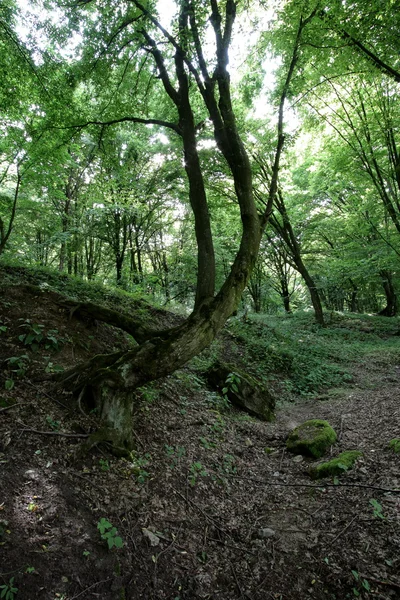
[390,309]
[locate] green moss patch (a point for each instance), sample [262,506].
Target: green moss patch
[312,438]
[336,466]
[395,445]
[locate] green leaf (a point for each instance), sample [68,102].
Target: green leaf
[118,542]
[9,384]
[366,585]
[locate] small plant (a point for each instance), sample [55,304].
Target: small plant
[231,383]
[30,570]
[86,553]
[52,368]
[229,465]
[218,426]
[3,328]
[196,470]
[377,508]
[8,591]
[55,425]
[137,467]
[18,366]
[104,464]
[362,584]
[395,445]
[109,533]
[35,335]
[207,444]
[149,394]
[176,453]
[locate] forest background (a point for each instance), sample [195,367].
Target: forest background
[111,202]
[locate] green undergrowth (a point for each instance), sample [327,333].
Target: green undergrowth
[13,273]
[309,358]
[395,445]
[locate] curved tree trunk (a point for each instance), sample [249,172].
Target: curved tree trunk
[110,379]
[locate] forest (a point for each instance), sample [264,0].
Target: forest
[200,214]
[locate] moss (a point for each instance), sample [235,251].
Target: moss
[336,466]
[312,438]
[395,445]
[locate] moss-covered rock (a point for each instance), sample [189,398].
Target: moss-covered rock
[336,466]
[245,393]
[312,438]
[395,445]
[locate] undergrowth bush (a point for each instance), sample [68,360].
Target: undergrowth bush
[310,358]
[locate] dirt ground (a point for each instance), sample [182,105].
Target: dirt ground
[212,506]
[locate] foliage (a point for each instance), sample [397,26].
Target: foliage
[362,584]
[377,509]
[196,470]
[17,366]
[311,359]
[109,533]
[8,590]
[231,384]
[395,445]
[35,336]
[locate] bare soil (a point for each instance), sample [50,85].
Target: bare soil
[212,506]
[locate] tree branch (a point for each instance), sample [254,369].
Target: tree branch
[160,122]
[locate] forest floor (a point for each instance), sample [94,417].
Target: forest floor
[212,506]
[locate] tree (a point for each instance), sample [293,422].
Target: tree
[194,87]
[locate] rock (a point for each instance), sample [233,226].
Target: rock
[152,537]
[266,532]
[336,466]
[245,392]
[298,459]
[312,438]
[31,475]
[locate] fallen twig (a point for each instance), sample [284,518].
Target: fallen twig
[343,531]
[310,485]
[47,395]
[57,433]
[205,515]
[12,406]
[90,587]
[380,581]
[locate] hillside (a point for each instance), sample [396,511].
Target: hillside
[211,505]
